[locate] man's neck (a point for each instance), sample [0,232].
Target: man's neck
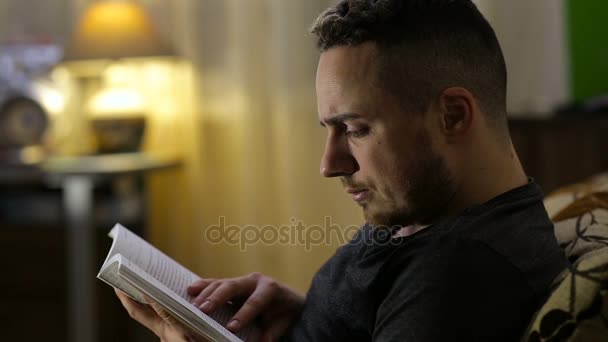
[495,174]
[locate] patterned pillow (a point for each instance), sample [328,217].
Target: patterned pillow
[583,226]
[560,199]
[577,309]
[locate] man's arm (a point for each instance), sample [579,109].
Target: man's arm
[465,292]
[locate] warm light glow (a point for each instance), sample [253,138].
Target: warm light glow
[32,154]
[121,74]
[51,99]
[115,29]
[157,73]
[116,101]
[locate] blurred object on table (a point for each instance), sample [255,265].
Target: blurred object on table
[119,135]
[22,122]
[24,119]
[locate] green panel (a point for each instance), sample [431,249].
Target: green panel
[588,39]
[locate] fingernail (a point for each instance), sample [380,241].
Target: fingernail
[207,305]
[234,324]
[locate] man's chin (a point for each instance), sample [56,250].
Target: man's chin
[376,219]
[386,219]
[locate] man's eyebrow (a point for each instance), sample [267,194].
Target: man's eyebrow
[339,119]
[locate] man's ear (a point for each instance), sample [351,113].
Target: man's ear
[457,108]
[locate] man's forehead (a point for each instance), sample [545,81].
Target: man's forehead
[348,61]
[344,74]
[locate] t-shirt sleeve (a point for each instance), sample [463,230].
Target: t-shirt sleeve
[463,291]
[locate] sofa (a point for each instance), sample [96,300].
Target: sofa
[577,308]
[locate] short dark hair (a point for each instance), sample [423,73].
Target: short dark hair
[423,47]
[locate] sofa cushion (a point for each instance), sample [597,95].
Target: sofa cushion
[585,232]
[577,309]
[557,202]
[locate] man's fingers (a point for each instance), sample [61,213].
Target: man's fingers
[206,292]
[196,287]
[144,314]
[173,330]
[253,306]
[228,290]
[163,314]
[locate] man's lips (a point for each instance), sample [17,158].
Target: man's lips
[358,194]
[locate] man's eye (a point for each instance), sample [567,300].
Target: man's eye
[357,133]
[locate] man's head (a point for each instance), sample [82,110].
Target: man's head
[424,46]
[401,84]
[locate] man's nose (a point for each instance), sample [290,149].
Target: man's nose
[337,159]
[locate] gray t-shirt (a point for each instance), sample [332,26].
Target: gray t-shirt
[477,277]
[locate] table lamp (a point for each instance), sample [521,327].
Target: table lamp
[109,31]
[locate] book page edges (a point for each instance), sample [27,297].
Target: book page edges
[176,305]
[113,234]
[109,274]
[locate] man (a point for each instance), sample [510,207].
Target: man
[457,244]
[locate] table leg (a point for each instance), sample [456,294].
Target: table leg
[78,203]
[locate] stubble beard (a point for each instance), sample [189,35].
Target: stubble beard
[428,189]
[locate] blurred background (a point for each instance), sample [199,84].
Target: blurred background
[171,117]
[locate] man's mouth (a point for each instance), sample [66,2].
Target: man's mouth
[359,195]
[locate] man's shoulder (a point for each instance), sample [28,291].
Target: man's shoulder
[518,231]
[519,244]
[451,284]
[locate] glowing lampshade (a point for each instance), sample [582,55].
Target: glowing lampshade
[116,100]
[115,29]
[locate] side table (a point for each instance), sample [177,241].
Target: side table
[77,177]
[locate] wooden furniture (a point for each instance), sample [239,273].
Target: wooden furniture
[561,150]
[54,220]
[77,176]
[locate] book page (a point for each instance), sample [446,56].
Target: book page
[128,248]
[151,260]
[175,304]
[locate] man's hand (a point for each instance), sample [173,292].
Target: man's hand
[155,318]
[274,305]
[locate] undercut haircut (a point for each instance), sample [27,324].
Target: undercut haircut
[423,47]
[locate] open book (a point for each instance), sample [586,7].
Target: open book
[138,268]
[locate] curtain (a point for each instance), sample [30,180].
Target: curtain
[247,132]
